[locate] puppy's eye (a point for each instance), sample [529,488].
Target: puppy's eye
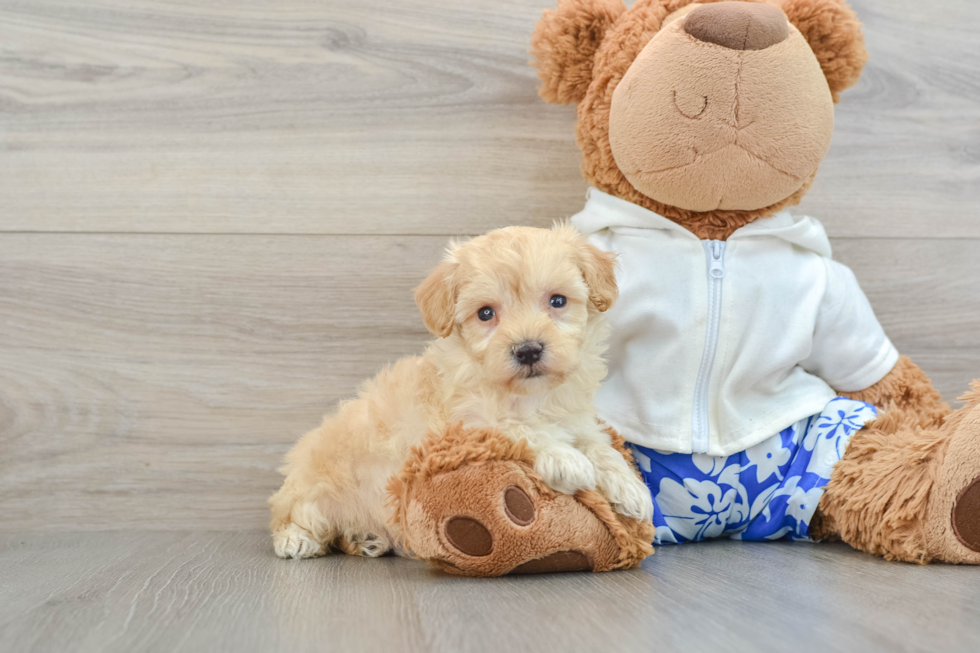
[486,313]
[558,301]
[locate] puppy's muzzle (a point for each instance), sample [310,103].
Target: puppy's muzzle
[528,353]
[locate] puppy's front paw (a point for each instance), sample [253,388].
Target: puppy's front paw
[627,494]
[296,542]
[565,469]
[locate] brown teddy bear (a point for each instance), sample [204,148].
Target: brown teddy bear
[757,390]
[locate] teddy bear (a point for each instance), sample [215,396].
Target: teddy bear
[758,394]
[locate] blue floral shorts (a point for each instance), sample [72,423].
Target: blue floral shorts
[767,492]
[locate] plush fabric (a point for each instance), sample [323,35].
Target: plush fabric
[470,503]
[738,25]
[908,391]
[834,33]
[619,47]
[564,46]
[749,134]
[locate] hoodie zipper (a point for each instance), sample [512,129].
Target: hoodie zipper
[700,426]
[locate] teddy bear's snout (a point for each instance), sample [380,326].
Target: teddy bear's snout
[702,117]
[738,25]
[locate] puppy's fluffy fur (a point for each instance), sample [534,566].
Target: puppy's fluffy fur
[336,476]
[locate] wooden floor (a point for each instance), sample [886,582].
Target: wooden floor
[209,591]
[211,217]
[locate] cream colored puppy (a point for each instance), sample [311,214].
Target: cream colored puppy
[519,315]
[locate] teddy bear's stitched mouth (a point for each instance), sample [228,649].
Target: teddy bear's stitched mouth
[699,156]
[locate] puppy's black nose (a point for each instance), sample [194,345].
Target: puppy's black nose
[528,353]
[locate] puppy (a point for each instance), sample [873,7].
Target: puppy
[519,315]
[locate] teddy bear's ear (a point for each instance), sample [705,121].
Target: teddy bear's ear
[564,44]
[834,34]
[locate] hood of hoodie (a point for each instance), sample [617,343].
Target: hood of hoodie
[605,211]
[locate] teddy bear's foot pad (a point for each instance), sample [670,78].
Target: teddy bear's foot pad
[556,562]
[966,516]
[469,536]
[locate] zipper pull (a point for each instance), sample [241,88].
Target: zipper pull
[717,269]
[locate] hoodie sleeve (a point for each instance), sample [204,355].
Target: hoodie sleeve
[850,349]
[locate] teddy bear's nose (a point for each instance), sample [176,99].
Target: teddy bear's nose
[738,25]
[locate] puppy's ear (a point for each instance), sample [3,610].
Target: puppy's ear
[834,33]
[564,44]
[436,298]
[599,271]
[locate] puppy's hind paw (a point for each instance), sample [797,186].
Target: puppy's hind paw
[295,542]
[565,469]
[368,545]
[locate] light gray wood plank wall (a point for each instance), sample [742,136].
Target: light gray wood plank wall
[155,381]
[405,116]
[212,215]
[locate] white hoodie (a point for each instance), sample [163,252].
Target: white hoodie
[718,345]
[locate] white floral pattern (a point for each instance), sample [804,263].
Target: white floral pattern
[707,506]
[709,465]
[768,457]
[768,491]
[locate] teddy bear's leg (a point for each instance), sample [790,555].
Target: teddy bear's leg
[470,503]
[908,492]
[953,517]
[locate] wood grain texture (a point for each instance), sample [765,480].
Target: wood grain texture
[211,218]
[139,591]
[406,116]
[156,381]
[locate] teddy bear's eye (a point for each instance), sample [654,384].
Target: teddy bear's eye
[558,301]
[693,107]
[485,314]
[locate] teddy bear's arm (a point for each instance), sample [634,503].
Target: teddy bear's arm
[908,389]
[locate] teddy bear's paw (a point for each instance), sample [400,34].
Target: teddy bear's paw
[494,515]
[296,542]
[565,469]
